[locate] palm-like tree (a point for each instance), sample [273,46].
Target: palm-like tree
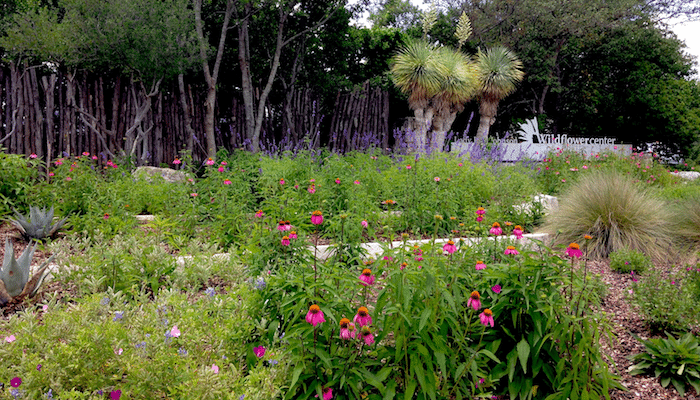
[498,70]
[458,86]
[438,81]
[417,72]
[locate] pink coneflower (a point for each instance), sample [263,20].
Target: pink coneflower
[496,229]
[347,329]
[327,393]
[259,351]
[227,181]
[106,216]
[287,226]
[486,318]
[510,250]
[460,164]
[474,301]
[224,163]
[480,265]
[362,317]
[221,168]
[408,167]
[518,232]
[364,223]
[316,217]
[293,235]
[259,214]
[296,186]
[480,211]
[210,161]
[58,162]
[215,368]
[311,189]
[33,155]
[366,277]
[94,157]
[449,247]
[367,335]
[479,218]
[356,182]
[281,181]
[496,289]
[574,250]
[403,266]
[285,240]
[68,178]
[10,339]
[194,194]
[337,181]
[436,179]
[281,226]
[315,315]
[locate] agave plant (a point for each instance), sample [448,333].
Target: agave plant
[39,225]
[14,275]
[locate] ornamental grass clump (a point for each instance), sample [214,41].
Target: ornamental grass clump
[616,212]
[686,221]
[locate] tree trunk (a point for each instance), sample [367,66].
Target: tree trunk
[211,77]
[49,87]
[487,115]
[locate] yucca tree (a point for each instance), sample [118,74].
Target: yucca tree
[417,71]
[498,70]
[458,86]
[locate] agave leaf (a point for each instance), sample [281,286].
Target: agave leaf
[4,297]
[32,286]
[15,273]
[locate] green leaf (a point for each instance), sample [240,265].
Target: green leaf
[512,360]
[440,358]
[295,376]
[390,391]
[424,318]
[680,370]
[410,389]
[523,354]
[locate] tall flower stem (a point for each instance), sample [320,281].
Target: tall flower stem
[315,266]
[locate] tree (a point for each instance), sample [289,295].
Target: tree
[211,76]
[307,17]
[437,80]
[498,71]
[150,40]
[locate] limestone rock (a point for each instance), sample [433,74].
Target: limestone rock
[170,175]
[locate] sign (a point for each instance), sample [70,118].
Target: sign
[531,144]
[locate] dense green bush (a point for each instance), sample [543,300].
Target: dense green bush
[19,175]
[667,300]
[626,260]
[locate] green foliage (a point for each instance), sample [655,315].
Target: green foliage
[39,225]
[616,212]
[19,174]
[626,260]
[667,300]
[102,343]
[672,360]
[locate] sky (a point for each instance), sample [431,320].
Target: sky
[688,32]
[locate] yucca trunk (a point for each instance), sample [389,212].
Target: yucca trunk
[441,125]
[487,116]
[421,124]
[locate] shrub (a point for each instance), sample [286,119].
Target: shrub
[672,360]
[666,301]
[616,212]
[626,260]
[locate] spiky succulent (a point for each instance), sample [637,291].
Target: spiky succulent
[39,225]
[14,275]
